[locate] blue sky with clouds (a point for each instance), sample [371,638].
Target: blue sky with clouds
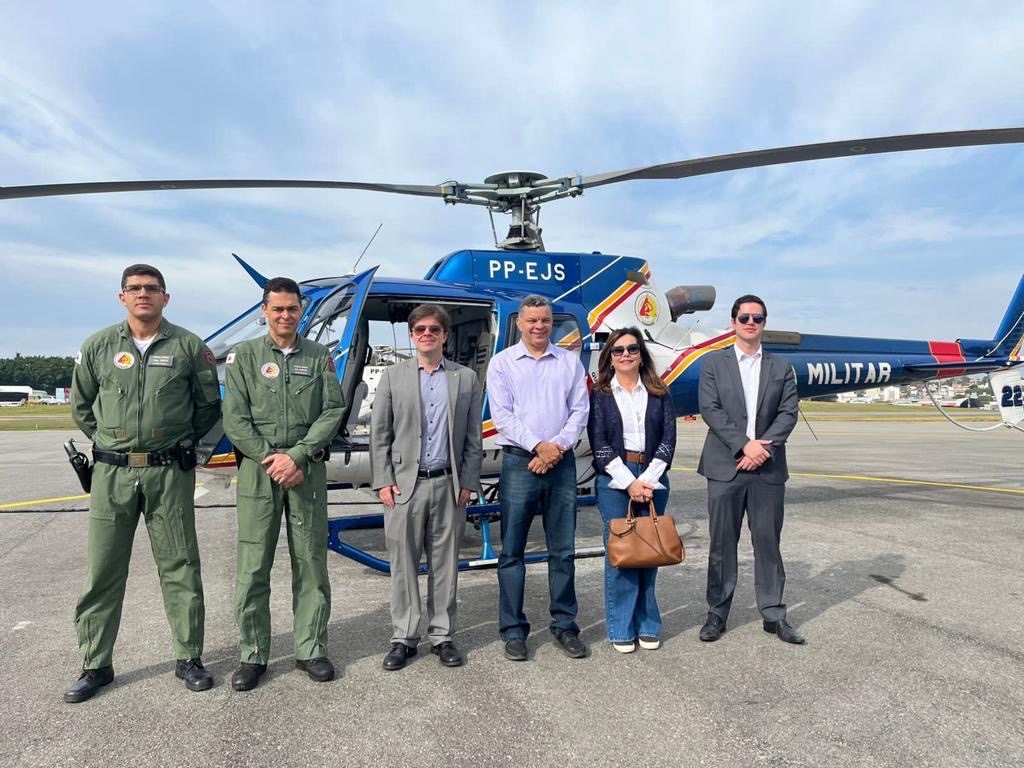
[924,244]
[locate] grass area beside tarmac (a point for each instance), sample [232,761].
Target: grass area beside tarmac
[27,418]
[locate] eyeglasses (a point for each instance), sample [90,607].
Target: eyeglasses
[632,349]
[745,318]
[135,290]
[419,330]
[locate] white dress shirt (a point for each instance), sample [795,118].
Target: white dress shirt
[633,410]
[750,375]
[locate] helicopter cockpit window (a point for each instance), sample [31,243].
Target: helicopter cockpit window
[248,325]
[565,332]
[328,323]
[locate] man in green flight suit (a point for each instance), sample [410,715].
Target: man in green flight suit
[144,391]
[282,408]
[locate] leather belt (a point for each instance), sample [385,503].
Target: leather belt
[515,450]
[425,473]
[134,459]
[635,458]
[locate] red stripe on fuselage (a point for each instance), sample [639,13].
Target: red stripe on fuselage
[947,352]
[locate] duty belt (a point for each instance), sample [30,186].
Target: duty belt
[133,459]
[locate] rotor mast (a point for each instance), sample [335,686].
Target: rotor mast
[519,194]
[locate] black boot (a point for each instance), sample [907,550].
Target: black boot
[90,681]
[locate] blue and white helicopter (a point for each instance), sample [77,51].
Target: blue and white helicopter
[592,294]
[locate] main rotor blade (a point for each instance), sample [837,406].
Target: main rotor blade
[719,163]
[99,187]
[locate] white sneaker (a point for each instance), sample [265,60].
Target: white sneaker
[624,647]
[650,643]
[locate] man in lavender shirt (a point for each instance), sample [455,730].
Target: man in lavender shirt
[539,403]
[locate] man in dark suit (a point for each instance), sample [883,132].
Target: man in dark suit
[425,452]
[749,401]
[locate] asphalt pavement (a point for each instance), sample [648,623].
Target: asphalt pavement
[904,551]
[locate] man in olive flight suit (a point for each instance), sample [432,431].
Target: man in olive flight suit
[282,408]
[144,391]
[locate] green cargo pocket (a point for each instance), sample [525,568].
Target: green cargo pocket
[167,535]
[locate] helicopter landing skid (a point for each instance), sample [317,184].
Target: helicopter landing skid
[480,515]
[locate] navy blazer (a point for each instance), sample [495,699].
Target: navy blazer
[604,429]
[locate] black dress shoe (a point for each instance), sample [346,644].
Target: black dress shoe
[247,676]
[569,641]
[713,628]
[515,649]
[90,681]
[450,656]
[397,656]
[319,669]
[784,631]
[194,674]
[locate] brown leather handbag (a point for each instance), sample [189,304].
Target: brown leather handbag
[644,542]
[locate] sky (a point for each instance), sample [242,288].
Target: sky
[918,245]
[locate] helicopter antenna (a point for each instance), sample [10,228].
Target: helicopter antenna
[367,247]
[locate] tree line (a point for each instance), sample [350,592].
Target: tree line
[36,371]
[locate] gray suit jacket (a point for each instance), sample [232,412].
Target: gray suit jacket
[395,428]
[724,410]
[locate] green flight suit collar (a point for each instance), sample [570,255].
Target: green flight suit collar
[161,333]
[269,342]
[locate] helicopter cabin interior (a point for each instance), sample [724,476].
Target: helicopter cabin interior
[381,338]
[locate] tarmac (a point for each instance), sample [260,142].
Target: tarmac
[904,550]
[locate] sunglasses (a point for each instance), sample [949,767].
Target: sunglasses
[632,349]
[745,318]
[419,330]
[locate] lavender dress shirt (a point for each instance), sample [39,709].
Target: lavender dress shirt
[538,399]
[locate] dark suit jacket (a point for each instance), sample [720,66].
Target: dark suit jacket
[395,428]
[604,429]
[724,410]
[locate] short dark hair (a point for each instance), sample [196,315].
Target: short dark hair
[280,285]
[747,298]
[137,270]
[534,300]
[435,311]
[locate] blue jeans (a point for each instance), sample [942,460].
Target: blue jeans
[523,495]
[630,605]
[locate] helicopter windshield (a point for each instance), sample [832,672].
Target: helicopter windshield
[249,325]
[328,323]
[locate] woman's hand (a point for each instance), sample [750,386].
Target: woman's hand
[640,491]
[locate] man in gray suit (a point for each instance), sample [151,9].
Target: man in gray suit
[749,402]
[425,453]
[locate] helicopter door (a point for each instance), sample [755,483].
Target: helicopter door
[337,323]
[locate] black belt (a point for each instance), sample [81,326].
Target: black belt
[515,450]
[134,459]
[426,473]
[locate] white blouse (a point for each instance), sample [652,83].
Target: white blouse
[633,410]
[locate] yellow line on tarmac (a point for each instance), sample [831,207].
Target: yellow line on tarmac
[15,504]
[43,501]
[893,480]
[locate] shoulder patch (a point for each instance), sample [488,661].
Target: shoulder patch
[78,357]
[330,364]
[230,359]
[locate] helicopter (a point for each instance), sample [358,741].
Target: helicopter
[592,294]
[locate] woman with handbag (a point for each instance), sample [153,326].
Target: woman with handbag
[632,432]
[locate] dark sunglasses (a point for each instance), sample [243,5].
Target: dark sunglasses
[633,349]
[745,318]
[419,330]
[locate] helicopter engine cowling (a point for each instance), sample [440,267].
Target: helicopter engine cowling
[687,299]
